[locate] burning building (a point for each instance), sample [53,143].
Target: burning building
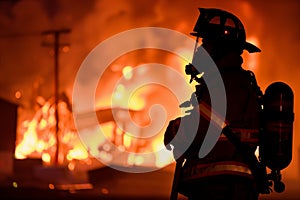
[27,75]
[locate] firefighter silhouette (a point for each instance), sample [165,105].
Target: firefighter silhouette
[230,170]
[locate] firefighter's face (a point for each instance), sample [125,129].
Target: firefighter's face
[224,54]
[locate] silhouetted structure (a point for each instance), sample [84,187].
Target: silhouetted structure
[8,129]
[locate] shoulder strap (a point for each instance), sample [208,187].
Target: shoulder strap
[255,86]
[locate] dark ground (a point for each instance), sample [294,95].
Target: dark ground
[104,184]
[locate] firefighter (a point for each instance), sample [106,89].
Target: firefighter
[224,173]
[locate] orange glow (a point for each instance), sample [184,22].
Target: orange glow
[139,160]
[104,191]
[18,94]
[51,186]
[122,98]
[163,158]
[46,158]
[135,159]
[251,60]
[43,124]
[40,146]
[127,141]
[127,72]
[136,102]
[71,166]
[78,152]
[66,49]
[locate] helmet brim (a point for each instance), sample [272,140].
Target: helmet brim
[251,48]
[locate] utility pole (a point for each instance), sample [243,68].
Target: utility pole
[56,44]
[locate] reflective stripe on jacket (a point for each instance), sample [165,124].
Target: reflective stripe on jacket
[245,135]
[193,172]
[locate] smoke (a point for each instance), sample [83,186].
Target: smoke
[27,65]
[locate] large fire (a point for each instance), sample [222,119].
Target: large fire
[37,137]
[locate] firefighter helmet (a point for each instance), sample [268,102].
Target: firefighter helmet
[220,25]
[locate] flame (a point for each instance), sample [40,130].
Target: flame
[28,144]
[127,72]
[38,137]
[123,99]
[135,159]
[78,152]
[46,158]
